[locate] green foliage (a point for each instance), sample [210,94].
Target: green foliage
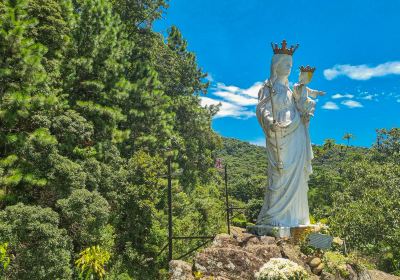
[91,263]
[347,136]
[85,215]
[253,208]
[92,101]
[336,264]
[36,243]
[4,258]
[387,144]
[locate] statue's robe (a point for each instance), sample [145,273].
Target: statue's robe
[286,202]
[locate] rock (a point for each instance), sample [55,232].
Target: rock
[264,252]
[224,240]
[180,270]
[258,240]
[327,276]
[232,263]
[239,256]
[293,253]
[379,275]
[315,262]
[352,273]
[318,269]
[245,237]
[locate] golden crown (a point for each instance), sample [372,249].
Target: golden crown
[307,68]
[284,50]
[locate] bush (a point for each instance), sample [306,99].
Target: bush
[281,269]
[336,264]
[85,216]
[35,242]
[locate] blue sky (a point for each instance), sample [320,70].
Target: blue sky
[355,46]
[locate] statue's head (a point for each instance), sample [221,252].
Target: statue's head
[281,65]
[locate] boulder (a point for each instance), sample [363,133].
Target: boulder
[293,253]
[380,275]
[224,240]
[264,252]
[314,262]
[180,270]
[232,263]
[318,269]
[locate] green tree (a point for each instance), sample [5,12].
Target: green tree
[27,106]
[388,144]
[329,143]
[137,221]
[85,215]
[54,23]
[94,71]
[348,136]
[40,249]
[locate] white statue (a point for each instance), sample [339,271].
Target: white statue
[285,119]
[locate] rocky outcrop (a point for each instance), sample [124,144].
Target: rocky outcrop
[240,255]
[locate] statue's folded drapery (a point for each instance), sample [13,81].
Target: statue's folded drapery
[285,202]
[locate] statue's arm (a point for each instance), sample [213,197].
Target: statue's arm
[314,93]
[263,110]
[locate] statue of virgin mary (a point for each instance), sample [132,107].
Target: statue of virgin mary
[284,115]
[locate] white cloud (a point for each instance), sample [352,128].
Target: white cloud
[228,109]
[235,101]
[222,86]
[363,71]
[338,95]
[368,97]
[330,106]
[253,90]
[352,104]
[236,98]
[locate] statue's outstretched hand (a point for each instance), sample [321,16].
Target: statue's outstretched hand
[315,93]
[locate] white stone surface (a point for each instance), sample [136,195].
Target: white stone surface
[289,149]
[260,230]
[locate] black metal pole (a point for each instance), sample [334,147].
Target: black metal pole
[169,211]
[227,200]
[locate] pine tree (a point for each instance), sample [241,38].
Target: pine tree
[26,102]
[95,70]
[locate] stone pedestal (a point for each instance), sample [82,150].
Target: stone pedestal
[282,232]
[269,230]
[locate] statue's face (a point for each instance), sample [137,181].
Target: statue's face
[284,66]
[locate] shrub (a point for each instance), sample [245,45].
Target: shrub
[336,264]
[281,269]
[35,242]
[85,215]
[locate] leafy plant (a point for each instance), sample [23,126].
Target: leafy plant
[4,258]
[91,262]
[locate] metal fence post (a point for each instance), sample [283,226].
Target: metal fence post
[169,210]
[227,200]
